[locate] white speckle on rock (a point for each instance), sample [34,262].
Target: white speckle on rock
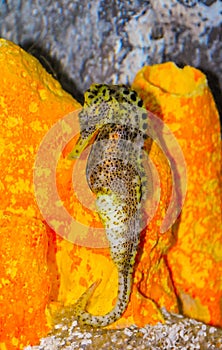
[212,330]
[128,332]
[86,342]
[204,327]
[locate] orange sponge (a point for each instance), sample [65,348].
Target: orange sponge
[182,99]
[31,101]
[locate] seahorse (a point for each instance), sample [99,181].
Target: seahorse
[114,118]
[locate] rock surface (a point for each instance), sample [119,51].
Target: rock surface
[178,332]
[85,42]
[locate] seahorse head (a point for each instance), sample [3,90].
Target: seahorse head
[112,104]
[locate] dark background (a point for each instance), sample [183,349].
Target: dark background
[81,42]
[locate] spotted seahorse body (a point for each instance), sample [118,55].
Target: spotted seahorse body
[115,116]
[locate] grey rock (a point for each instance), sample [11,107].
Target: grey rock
[82,42]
